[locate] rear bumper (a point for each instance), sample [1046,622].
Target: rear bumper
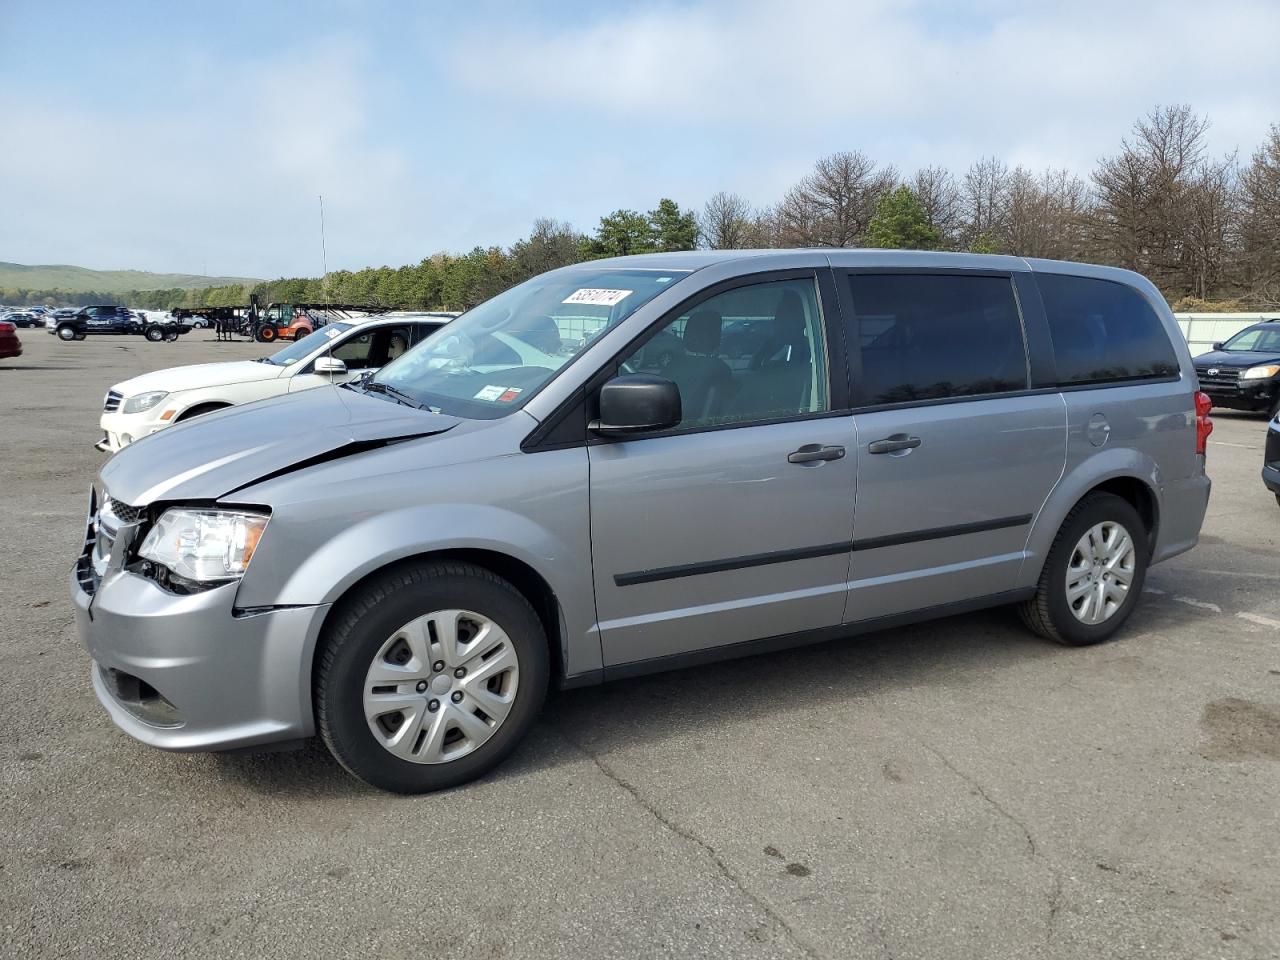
[188,673]
[1182,508]
[1271,478]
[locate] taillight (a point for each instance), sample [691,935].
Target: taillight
[1204,426]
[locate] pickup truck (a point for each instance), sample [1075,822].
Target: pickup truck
[115,321]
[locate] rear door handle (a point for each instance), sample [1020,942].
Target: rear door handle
[899,441]
[815,451]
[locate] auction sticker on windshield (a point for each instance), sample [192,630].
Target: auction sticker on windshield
[500,394]
[596,296]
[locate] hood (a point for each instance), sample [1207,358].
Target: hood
[1236,359]
[211,456]
[196,376]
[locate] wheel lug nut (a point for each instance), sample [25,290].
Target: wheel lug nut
[460,672]
[457,696]
[438,666]
[433,706]
[422,686]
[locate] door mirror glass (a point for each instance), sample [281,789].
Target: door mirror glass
[637,403]
[1217,345]
[330,365]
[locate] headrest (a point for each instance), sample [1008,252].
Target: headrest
[702,332]
[788,318]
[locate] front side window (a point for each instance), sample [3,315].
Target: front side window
[373,348]
[1256,340]
[750,354]
[490,360]
[1104,331]
[933,336]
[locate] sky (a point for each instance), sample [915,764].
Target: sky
[197,138]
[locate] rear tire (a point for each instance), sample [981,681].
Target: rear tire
[301,334]
[397,748]
[1069,619]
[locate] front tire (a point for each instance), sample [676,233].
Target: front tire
[154,334]
[66,334]
[1093,575]
[429,676]
[267,334]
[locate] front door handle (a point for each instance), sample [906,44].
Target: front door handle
[899,441]
[815,451]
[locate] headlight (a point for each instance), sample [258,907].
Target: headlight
[1261,373]
[144,401]
[207,546]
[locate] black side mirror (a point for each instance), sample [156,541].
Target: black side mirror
[637,403]
[1218,345]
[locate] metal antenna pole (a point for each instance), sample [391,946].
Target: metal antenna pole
[324,256]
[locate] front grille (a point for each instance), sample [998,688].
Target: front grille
[123,512]
[112,402]
[1222,381]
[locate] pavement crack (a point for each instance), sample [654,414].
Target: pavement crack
[688,835]
[1054,896]
[981,791]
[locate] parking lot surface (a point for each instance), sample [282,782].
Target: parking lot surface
[956,789]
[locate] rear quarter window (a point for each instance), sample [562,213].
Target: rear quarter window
[1104,331]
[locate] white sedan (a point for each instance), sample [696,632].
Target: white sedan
[334,354]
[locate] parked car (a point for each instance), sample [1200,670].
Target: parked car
[1244,372]
[1271,458]
[10,345]
[339,352]
[23,319]
[404,564]
[112,320]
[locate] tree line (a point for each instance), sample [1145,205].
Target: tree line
[1204,228]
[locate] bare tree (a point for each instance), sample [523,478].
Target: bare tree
[1152,195]
[832,206]
[940,196]
[725,222]
[985,200]
[1260,221]
[1044,216]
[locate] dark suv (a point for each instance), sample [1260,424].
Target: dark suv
[110,319]
[1244,372]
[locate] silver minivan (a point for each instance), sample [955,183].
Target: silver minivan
[632,465]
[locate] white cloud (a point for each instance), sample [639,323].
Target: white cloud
[910,82]
[230,184]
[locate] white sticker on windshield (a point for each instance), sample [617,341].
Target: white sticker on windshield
[332,332]
[596,296]
[490,393]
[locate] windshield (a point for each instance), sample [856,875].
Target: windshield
[493,358]
[1256,339]
[301,348]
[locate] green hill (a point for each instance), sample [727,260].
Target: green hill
[83,280]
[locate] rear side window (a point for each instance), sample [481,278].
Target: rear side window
[1104,331]
[931,336]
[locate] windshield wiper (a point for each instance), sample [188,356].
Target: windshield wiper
[372,386]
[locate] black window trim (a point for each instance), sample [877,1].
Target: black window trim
[1033,359]
[554,433]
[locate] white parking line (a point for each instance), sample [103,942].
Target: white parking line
[1260,620]
[1228,443]
[1199,604]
